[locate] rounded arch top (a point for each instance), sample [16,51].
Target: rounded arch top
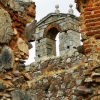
[53,27]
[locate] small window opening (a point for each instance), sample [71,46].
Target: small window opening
[68,47]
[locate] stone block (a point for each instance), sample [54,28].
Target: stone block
[6,31]
[7,58]
[22,46]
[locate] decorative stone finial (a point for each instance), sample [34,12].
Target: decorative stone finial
[71,11]
[57,9]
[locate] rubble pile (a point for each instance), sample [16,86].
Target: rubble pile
[64,78]
[57,78]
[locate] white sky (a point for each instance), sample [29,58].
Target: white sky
[44,7]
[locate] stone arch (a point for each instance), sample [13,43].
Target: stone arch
[47,45]
[52,28]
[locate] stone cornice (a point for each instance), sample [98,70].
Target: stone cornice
[60,16]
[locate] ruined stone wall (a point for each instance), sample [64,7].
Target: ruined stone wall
[90,29]
[57,78]
[15,18]
[65,78]
[70,77]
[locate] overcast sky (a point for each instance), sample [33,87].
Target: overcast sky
[44,7]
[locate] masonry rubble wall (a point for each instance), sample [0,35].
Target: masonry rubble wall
[58,78]
[15,18]
[65,78]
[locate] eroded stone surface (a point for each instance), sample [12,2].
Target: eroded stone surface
[6,31]
[7,58]
[22,46]
[22,95]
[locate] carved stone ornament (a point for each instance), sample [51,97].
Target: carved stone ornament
[6,31]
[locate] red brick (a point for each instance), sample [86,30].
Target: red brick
[96,0]
[97,23]
[97,4]
[20,30]
[88,9]
[96,27]
[96,15]
[86,46]
[11,13]
[87,13]
[89,4]
[80,23]
[88,17]
[87,50]
[98,48]
[92,16]
[83,31]
[90,24]
[90,33]
[90,28]
[96,8]
[85,42]
[97,36]
[16,24]
[97,19]
[93,42]
[89,20]
[15,18]
[93,24]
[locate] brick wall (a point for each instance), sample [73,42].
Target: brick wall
[90,29]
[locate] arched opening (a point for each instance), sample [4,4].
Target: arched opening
[51,34]
[52,43]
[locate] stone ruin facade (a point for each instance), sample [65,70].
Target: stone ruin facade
[48,28]
[70,77]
